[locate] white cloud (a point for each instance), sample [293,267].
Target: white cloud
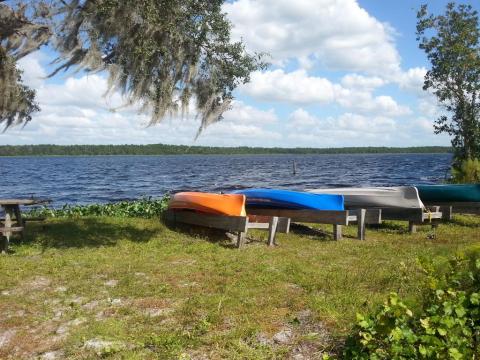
[365,103]
[296,87]
[412,80]
[428,107]
[34,74]
[242,113]
[356,81]
[347,122]
[336,33]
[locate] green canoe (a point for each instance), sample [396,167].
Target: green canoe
[432,194]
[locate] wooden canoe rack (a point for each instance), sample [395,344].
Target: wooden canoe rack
[413,216]
[336,218]
[239,224]
[449,208]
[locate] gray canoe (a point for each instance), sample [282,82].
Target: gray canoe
[400,197]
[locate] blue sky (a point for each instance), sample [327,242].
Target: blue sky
[343,73]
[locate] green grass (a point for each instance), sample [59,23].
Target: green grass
[155,292]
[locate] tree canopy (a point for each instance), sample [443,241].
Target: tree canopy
[451,43]
[161,54]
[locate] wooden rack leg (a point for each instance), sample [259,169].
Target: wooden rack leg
[272,230]
[8,224]
[241,239]
[412,228]
[447,212]
[337,232]
[18,217]
[361,224]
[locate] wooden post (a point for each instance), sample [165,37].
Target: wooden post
[447,212]
[18,217]
[361,224]
[8,224]
[241,239]
[272,229]
[412,228]
[337,232]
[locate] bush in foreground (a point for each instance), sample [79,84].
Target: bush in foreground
[446,327]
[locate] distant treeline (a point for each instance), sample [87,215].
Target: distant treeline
[161,149]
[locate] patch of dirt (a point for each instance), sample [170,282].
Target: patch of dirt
[6,336]
[101,347]
[38,283]
[52,355]
[307,337]
[111,283]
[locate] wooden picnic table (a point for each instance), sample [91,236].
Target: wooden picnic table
[12,209]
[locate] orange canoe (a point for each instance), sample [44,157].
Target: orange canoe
[220,204]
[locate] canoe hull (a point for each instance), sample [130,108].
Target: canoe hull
[218,204]
[291,200]
[399,197]
[454,193]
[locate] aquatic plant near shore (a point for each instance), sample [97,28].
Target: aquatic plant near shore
[144,207]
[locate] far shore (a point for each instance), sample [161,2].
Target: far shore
[162,149]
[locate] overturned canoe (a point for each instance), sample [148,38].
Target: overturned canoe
[293,200]
[220,204]
[449,193]
[403,197]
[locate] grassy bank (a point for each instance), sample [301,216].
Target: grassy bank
[132,288]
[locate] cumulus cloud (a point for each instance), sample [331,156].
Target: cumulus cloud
[300,119]
[296,87]
[242,113]
[356,81]
[299,88]
[33,72]
[412,80]
[336,33]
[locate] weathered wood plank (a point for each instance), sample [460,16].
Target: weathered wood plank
[467,209]
[337,232]
[12,229]
[373,216]
[242,239]
[412,228]
[415,215]
[272,231]
[231,223]
[7,225]
[283,225]
[24,201]
[447,212]
[361,224]
[309,216]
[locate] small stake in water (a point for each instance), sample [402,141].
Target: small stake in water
[294,167]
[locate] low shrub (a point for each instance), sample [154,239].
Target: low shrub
[145,207]
[447,326]
[467,173]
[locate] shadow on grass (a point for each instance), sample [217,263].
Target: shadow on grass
[216,236]
[389,226]
[87,232]
[301,229]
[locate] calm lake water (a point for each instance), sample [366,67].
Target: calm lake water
[100,179]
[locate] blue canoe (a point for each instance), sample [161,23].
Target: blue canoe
[292,200]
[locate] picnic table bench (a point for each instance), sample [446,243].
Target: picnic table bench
[13,221]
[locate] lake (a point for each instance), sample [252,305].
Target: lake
[100,179]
